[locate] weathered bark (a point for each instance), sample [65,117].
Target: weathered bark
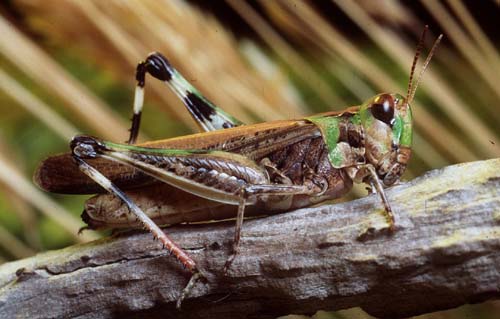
[444,253]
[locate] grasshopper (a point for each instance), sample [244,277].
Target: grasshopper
[231,168]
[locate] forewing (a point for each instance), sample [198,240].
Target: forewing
[60,174]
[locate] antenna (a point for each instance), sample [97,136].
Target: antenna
[412,87]
[424,67]
[415,60]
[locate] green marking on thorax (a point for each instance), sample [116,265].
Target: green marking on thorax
[365,116]
[355,119]
[329,127]
[336,157]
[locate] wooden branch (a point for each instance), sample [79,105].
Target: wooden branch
[444,253]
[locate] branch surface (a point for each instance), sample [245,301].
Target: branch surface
[445,252]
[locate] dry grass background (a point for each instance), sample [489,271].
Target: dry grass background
[68,66]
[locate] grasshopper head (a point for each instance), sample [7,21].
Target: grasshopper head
[387,122]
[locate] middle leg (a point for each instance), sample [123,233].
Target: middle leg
[253,191]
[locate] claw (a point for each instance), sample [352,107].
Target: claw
[228,263]
[197,275]
[82,229]
[230,260]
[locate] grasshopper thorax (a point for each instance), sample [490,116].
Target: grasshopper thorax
[387,123]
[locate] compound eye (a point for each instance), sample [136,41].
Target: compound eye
[383,108]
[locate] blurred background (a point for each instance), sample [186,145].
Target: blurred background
[68,67]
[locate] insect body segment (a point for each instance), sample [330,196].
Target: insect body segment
[387,123]
[343,136]
[379,133]
[372,143]
[276,166]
